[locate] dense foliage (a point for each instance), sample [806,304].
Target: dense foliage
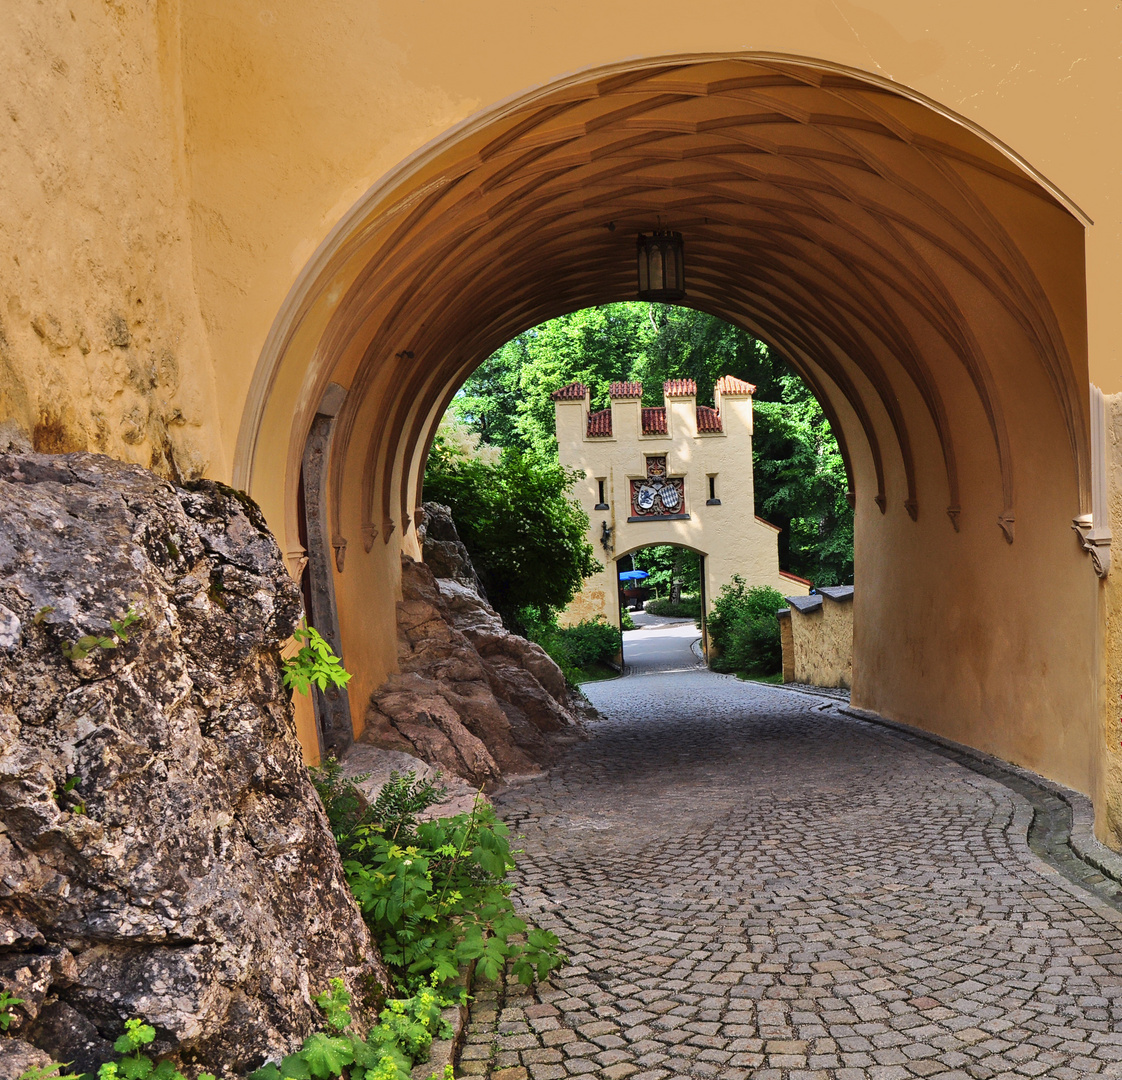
[388,1051]
[576,649]
[525,534]
[400,1039]
[434,893]
[687,606]
[744,627]
[800,478]
[673,570]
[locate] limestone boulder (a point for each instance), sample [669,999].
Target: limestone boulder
[482,703]
[162,852]
[443,551]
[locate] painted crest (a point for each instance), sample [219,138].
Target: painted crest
[658,495]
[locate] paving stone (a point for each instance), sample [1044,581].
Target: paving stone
[750,884]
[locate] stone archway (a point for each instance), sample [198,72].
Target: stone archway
[925,282]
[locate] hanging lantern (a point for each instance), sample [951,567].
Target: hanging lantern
[661,271]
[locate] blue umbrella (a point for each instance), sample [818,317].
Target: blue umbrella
[633,575]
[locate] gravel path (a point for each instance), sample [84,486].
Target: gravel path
[750,884]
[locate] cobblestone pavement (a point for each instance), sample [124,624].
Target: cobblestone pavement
[750,884]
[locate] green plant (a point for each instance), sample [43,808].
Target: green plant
[60,793]
[316,662]
[80,649]
[443,900]
[688,607]
[395,810]
[526,536]
[401,1038]
[573,648]
[6,1003]
[135,1065]
[53,1071]
[626,622]
[744,628]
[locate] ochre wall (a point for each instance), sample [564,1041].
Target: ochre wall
[102,343]
[818,644]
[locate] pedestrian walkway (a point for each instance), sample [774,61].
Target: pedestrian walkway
[666,645]
[751,884]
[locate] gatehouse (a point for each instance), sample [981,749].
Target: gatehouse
[679,473]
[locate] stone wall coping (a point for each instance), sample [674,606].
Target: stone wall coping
[805,604]
[838,593]
[784,613]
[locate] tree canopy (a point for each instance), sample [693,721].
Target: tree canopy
[799,474]
[514,514]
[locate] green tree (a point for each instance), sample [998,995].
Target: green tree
[526,536]
[668,565]
[800,477]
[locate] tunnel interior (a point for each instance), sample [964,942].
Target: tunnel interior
[926,283]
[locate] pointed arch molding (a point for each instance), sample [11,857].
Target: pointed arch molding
[870,234]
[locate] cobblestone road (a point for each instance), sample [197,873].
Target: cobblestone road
[748,886]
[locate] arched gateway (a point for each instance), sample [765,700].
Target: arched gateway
[676,474]
[925,282]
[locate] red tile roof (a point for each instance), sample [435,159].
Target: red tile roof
[679,388]
[625,389]
[708,419]
[795,577]
[600,423]
[728,385]
[654,421]
[575,391]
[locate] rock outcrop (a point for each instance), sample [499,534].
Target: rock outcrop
[162,852]
[471,697]
[442,549]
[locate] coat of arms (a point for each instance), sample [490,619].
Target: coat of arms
[658,495]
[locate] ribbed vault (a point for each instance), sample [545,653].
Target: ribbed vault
[854,228]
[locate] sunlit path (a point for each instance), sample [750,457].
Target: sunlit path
[664,645]
[752,884]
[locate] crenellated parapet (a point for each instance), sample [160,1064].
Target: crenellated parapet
[679,408]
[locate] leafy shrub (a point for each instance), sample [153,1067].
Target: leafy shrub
[573,648]
[626,622]
[439,902]
[402,1037]
[526,536]
[433,893]
[689,607]
[744,628]
[395,809]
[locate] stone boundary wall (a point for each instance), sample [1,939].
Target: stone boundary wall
[817,635]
